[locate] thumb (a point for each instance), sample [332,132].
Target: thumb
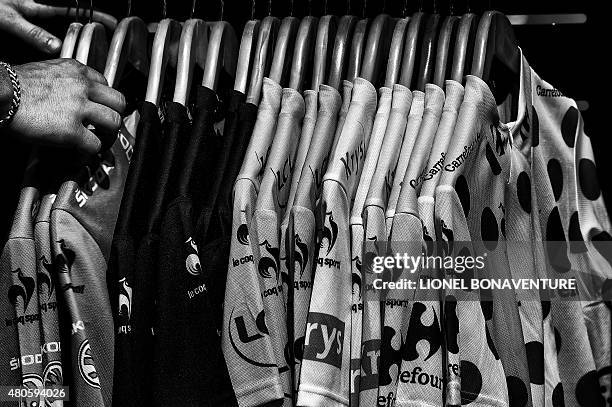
[35,36]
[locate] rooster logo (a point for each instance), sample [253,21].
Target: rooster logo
[65,258]
[242,234]
[267,263]
[300,254]
[356,277]
[329,233]
[125,302]
[447,237]
[192,262]
[43,275]
[23,290]
[429,246]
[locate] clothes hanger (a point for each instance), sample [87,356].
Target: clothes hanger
[93,45]
[283,50]
[428,50]
[302,53]
[191,55]
[262,60]
[395,52]
[72,36]
[129,44]
[338,67]
[497,57]
[357,46]
[377,47]
[464,45]
[446,41]
[326,32]
[410,48]
[245,54]
[164,53]
[221,53]
[70,40]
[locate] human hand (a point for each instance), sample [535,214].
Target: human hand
[14,16]
[59,98]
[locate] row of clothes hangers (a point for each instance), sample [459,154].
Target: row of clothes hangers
[304,53]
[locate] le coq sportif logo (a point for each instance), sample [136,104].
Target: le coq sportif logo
[300,254]
[270,262]
[43,276]
[329,233]
[24,289]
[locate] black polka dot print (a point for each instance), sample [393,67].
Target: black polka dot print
[587,176]
[517,392]
[463,191]
[535,124]
[558,396]
[555,175]
[492,159]
[558,343]
[523,191]
[587,391]
[568,126]
[471,382]
[576,241]
[600,242]
[489,230]
[535,360]
[556,246]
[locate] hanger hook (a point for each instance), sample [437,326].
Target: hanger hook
[192,11]
[164,9]
[129,8]
[405,8]
[222,10]
[269,7]
[467,6]
[78,10]
[291,8]
[365,6]
[309,7]
[252,9]
[90,11]
[325,7]
[435,7]
[451,7]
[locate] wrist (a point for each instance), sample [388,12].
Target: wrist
[6,92]
[11,94]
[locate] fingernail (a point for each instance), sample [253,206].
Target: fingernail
[53,44]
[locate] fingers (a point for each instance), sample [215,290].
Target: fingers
[102,117]
[107,96]
[31,9]
[34,35]
[95,76]
[88,142]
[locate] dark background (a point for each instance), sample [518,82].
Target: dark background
[570,57]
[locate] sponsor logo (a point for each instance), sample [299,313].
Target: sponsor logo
[370,359]
[86,365]
[125,306]
[192,262]
[98,178]
[247,335]
[329,233]
[24,290]
[43,275]
[282,177]
[458,161]
[324,339]
[417,331]
[548,93]
[352,160]
[266,263]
